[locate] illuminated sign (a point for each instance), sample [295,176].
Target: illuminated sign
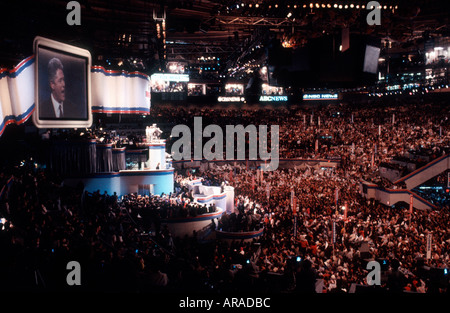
[170,77]
[320,96]
[273,98]
[230,99]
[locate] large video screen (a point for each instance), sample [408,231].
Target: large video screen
[62,85]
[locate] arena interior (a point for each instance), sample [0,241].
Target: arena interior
[358,201]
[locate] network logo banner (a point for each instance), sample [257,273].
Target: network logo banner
[320,96]
[119,91]
[17,93]
[273,98]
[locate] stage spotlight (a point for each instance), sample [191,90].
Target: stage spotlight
[335,6]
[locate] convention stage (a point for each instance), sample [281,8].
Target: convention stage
[143,182]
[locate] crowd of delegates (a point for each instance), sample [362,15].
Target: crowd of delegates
[111,237]
[122,244]
[119,242]
[390,234]
[351,133]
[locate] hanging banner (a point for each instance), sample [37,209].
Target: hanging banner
[334,232]
[120,91]
[429,242]
[17,93]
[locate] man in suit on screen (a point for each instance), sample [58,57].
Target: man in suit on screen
[56,106]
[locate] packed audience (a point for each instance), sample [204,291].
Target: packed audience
[390,234]
[125,245]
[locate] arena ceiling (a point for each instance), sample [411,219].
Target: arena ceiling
[127,30]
